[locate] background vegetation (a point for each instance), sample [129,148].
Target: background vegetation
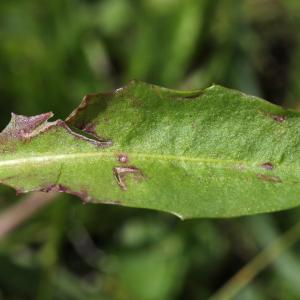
[54,52]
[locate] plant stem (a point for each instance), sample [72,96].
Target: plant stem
[258,264]
[20,212]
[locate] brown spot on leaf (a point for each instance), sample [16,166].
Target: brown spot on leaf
[279,119]
[90,128]
[264,177]
[121,173]
[123,158]
[267,166]
[93,140]
[60,188]
[23,128]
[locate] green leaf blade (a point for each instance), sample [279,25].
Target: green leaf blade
[209,153]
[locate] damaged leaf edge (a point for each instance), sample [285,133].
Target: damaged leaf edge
[183,94]
[189,94]
[23,128]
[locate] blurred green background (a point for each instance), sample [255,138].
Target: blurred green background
[54,52]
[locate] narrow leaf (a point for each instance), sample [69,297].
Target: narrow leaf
[207,153]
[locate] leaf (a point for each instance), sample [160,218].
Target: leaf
[207,153]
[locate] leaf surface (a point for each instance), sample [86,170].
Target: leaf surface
[207,153]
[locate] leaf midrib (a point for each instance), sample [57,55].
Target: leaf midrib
[52,158]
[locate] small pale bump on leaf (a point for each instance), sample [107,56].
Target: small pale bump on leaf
[267,166]
[279,119]
[214,152]
[123,158]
